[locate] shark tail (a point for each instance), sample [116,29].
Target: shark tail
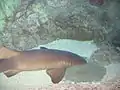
[5,65]
[7,53]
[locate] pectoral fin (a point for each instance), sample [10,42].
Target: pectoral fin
[56,74]
[11,73]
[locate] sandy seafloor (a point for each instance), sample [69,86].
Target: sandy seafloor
[87,77]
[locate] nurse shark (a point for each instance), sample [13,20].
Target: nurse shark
[54,61]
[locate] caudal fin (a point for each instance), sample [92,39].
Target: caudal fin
[5,65]
[11,73]
[7,53]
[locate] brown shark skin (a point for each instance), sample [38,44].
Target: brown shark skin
[45,59]
[6,53]
[52,60]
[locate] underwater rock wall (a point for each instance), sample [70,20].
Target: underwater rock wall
[26,24]
[35,22]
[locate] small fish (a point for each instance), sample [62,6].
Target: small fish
[54,61]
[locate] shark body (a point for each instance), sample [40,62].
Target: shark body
[54,61]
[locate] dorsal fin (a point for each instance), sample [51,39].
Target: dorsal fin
[43,48]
